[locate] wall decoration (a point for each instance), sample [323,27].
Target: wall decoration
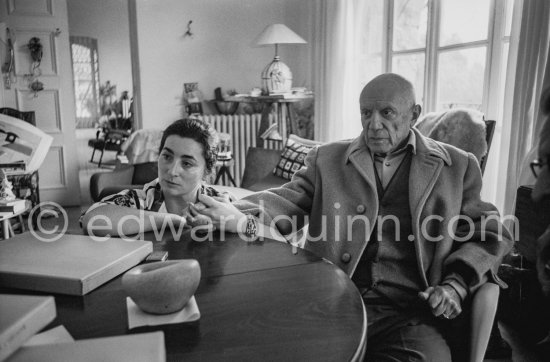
[36,52]
[188,33]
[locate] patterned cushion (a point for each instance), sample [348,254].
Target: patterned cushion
[293,156]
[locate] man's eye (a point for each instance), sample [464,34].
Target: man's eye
[166,156]
[367,112]
[387,112]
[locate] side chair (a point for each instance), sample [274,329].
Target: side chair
[110,137]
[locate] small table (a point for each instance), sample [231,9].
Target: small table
[6,224]
[223,170]
[281,106]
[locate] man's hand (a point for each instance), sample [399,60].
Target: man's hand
[443,300]
[219,212]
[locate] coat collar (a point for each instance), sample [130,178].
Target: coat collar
[425,147]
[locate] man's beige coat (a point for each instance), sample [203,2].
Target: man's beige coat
[336,194]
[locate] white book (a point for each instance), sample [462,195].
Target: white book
[21,316]
[58,334]
[146,347]
[73,264]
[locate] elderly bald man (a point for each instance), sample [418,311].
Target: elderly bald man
[384,207]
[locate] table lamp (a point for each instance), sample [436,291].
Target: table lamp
[276,76]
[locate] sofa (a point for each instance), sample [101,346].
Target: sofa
[258,172]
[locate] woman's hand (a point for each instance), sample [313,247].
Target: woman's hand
[217,211]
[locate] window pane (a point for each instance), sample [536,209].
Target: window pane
[463,21]
[411,66]
[85,68]
[372,41]
[410,19]
[460,78]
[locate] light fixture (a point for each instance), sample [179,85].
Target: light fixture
[276,76]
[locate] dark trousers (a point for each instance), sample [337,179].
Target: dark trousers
[397,334]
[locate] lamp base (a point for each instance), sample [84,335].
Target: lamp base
[276,77]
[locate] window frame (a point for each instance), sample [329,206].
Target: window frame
[491,104]
[91,44]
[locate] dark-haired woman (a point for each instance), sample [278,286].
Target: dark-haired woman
[187,156]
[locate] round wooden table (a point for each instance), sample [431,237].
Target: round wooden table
[258,301]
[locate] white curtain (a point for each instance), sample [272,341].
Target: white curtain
[528,74]
[336,85]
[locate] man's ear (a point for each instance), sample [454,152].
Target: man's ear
[417,109]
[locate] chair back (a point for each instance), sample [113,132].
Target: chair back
[144,173]
[489,131]
[463,128]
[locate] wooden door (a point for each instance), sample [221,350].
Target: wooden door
[46,20]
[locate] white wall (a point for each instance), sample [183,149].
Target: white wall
[107,21]
[219,54]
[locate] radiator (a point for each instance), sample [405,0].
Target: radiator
[243,129]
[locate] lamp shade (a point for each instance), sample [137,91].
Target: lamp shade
[276,76]
[278,34]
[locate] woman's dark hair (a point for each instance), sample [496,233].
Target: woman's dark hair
[197,130]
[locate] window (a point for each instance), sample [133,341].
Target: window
[86,80]
[454,51]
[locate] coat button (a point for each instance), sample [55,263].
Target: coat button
[360,209]
[346,257]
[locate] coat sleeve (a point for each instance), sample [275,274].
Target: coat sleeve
[487,239]
[285,207]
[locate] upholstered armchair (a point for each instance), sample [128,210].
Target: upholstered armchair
[125,177]
[466,129]
[267,168]
[258,172]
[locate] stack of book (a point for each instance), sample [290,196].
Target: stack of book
[10,207]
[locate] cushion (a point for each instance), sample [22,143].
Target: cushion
[293,156]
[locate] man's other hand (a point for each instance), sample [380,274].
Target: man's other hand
[443,300]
